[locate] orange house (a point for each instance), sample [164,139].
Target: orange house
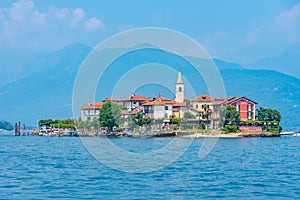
[244,106]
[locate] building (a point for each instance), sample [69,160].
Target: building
[179,89]
[200,102]
[243,105]
[134,101]
[90,110]
[158,107]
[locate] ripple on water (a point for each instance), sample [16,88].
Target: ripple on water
[46,168]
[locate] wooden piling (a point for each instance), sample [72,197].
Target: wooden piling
[16,129]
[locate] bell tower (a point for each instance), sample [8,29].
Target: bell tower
[179,88]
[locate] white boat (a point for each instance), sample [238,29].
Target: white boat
[297,134]
[287,133]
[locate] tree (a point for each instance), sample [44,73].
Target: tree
[110,115]
[174,120]
[265,114]
[229,115]
[206,113]
[6,125]
[138,118]
[188,115]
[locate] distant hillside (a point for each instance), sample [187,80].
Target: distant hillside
[287,62]
[46,92]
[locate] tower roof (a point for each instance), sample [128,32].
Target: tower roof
[179,78]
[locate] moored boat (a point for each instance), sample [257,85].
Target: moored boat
[297,134]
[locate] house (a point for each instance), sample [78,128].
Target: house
[243,105]
[134,101]
[158,107]
[200,102]
[90,110]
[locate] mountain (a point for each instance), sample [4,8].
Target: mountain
[46,90]
[286,62]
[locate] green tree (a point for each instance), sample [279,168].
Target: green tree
[110,115]
[229,115]
[174,120]
[206,113]
[188,115]
[6,125]
[266,114]
[138,118]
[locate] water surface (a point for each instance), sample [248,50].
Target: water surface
[254,168]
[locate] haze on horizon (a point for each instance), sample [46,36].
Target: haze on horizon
[255,34]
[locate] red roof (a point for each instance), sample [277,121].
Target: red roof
[135,97]
[159,100]
[178,104]
[204,98]
[93,105]
[126,112]
[111,99]
[230,100]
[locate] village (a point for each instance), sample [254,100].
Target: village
[231,114]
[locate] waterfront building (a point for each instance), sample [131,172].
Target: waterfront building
[158,107]
[203,103]
[243,105]
[134,101]
[90,110]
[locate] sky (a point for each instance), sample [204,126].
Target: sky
[232,30]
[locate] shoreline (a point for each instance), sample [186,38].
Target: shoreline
[186,135]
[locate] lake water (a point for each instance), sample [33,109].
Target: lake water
[254,168]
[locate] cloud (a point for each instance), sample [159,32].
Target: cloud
[23,24]
[284,27]
[268,39]
[78,13]
[93,24]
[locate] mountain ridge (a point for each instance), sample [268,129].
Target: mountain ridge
[46,91]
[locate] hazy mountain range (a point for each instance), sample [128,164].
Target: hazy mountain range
[286,62]
[46,90]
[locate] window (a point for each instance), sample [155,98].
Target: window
[89,112]
[88,118]
[179,89]
[238,107]
[196,106]
[166,115]
[95,112]
[249,115]
[166,108]
[249,107]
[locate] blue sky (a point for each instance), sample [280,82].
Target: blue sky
[232,30]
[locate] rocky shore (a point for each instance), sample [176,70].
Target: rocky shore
[230,135]
[182,134]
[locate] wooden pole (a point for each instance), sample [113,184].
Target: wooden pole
[24,131]
[16,129]
[19,128]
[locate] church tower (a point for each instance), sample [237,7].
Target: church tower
[179,88]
